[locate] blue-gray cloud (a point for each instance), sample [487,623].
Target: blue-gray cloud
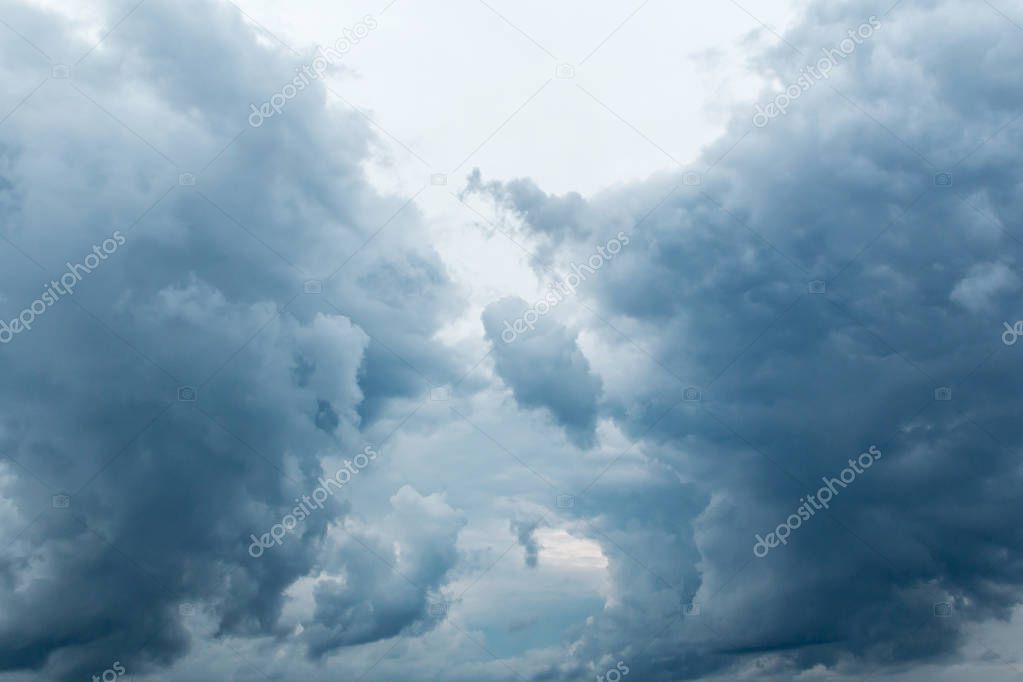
[369,604]
[816,288]
[545,368]
[189,389]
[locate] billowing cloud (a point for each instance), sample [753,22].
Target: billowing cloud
[823,289]
[244,311]
[544,366]
[217,346]
[364,603]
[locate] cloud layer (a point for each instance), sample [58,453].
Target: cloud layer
[834,280]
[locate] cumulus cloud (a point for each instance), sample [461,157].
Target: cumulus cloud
[803,289]
[545,368]
[188,390]
[365,604]
[811,296]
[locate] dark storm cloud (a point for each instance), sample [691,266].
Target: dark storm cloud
[205,292]
[817,288]
[370,604]
[801,304]
[545,367]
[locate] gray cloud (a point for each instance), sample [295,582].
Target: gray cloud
[367,604]
[918,277]
[525,531]
[545,369]
[717,291]
[206,293]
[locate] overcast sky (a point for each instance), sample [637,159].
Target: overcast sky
[491,340]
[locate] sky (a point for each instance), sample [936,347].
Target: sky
[491,340]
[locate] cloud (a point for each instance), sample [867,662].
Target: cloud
[983,282]
[188,390]
[364,604]
[545,368]
[525,531]
[816,287]
[799,304]
[551,218]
